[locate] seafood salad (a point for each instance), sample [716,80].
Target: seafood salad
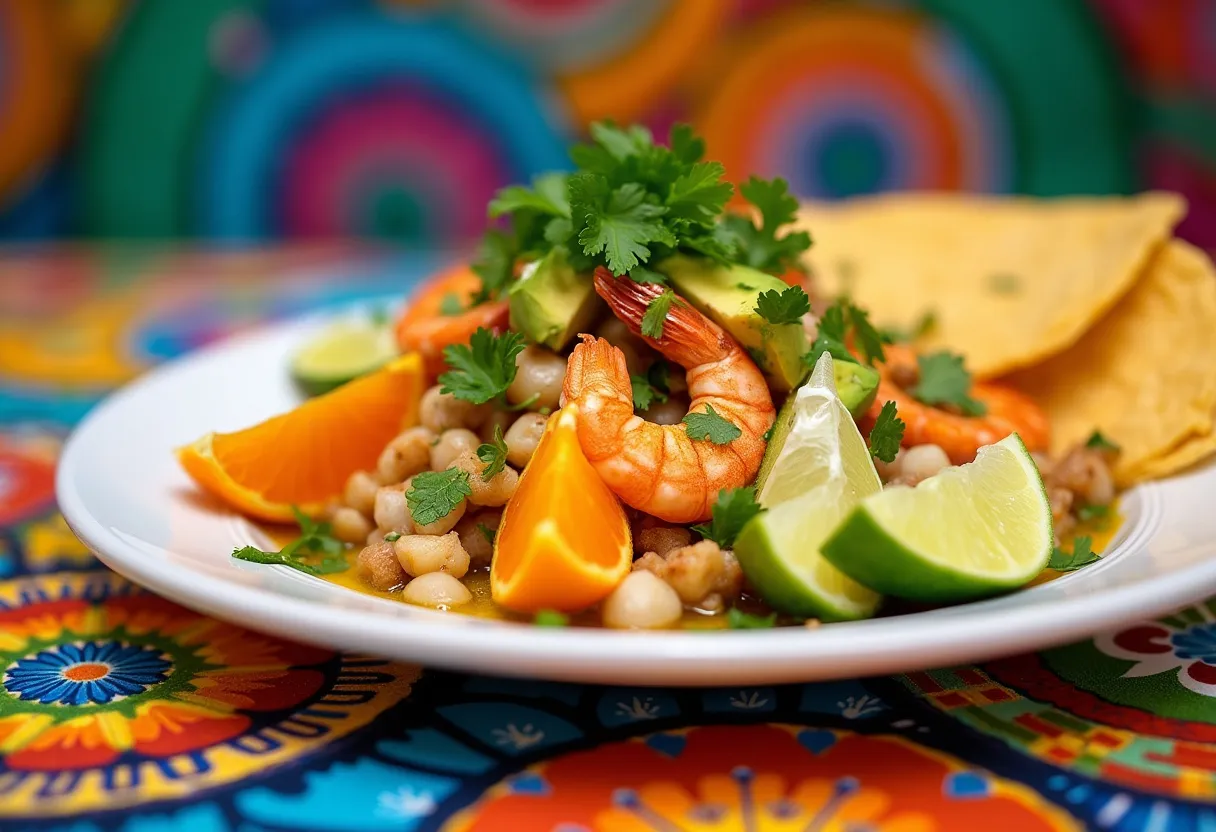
[648,403]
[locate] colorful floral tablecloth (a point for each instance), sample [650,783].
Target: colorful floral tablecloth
[122,711]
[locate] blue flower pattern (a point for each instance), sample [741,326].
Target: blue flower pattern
[1198,642]
[103,671]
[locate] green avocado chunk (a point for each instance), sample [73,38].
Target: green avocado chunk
[551,302]
[727,295]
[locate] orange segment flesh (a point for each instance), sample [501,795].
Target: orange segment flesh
[564,541]
[304,457]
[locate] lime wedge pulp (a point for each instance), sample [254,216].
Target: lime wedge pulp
[342,353]
[817,468]
[967,532]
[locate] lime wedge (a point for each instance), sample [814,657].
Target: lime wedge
[819,469]
[968,532]
[342,353]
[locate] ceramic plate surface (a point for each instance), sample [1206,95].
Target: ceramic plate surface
[122,492]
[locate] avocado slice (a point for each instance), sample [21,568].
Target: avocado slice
[551,302]
[727,295]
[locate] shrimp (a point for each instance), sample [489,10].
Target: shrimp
[426,329]
[660,469]
[1008,411]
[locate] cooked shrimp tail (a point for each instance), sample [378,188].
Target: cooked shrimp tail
[688,338]
[660,469]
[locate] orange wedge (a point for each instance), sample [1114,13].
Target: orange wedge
[564,540]
[304,457]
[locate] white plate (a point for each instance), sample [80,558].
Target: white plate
[122,492]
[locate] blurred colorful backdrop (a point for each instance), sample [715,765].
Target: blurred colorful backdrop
[250,120]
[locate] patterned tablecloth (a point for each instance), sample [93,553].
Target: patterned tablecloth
[122,711]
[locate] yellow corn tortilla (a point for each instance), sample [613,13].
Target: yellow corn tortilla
[1011,281]
[1143,375]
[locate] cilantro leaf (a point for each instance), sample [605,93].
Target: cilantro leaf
[620,224]
[686,145]
[435,494]
[641,274]
[830,336]
[486,532]
[1098,442]
[494,264]
[700,194]
[644,394]
[1081,555]
[944,380]
[759,246]
[783,307]
[732,509]
[659,376]
[1092,511]
[493,454]
[392,537]
[550,618]
[867,336]
[315,541]
[887,434]
[484,368]
[547,197]
[711,426]
[656,314]
[737,619]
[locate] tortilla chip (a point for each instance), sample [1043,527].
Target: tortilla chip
[1143,375]
[1011,281]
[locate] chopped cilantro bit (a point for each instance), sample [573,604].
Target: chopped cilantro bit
[493,454]
[1092,511]
[645,394]
[944,380]
[487,533]
[737,619]
[392,537]
[1098,442]
[435,494]
[767,435]
[1081,555]
[484,368]
[550,618]
[710,425]
[784,307]
[887,433]
[315,541]
[731,511]
[656,314]
[830,336]
[450,304]
[1004,284]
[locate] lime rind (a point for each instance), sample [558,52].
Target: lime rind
[821,468]
[969,532]
[341,353]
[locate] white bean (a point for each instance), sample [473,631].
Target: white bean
[436,589]
[921,462]
[476,532]
[539,375]
[360,492]
[522,438]
[494,492]
[350,526]
[391,511]
[377,566]
[670,412]
[406,455]
[642,601]
[443,411]
[445,523]
[421,554]
[451,444]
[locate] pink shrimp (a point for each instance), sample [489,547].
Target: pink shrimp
[660,469]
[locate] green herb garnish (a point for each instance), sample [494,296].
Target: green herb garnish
[656,314]
[1098,442]
[944,380]
[784,307]
[760,246]
[493,454]
[887,434]
[731,511]
[315,541]
[712,426]
[550,618]
[1081,555]
[737,619]
[435,494]
[484,368]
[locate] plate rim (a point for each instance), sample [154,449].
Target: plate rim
[592,655]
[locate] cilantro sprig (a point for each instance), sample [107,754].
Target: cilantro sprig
[783,307]
[944,380]
[759,246]
[435,494]
[493,454]
[731,511]
[484,368]
[737,619]
[325,553]
[835,325]
[1082,554]
[1098,442]
[887,434]
[652,388]
[712,426]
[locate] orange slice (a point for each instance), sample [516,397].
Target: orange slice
[304,457]
[564,540]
